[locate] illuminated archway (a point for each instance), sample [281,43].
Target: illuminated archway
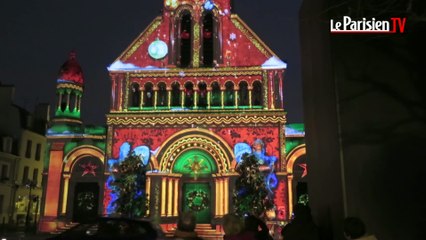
[70,160]
[195,138]
[294,154]
[79,152]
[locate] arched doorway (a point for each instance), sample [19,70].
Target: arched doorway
[85,187]
[196,167]
[194,171]
[82,184]
[297,170]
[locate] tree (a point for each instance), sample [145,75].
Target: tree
[129,185]
[250,194]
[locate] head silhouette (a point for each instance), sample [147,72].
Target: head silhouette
[232,224]
[186,222]
[302,212]
[353,227]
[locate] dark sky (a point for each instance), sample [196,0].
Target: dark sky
[36,37]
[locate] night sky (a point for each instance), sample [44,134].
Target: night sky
[36,37]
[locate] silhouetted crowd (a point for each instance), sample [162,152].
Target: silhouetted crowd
[301,227]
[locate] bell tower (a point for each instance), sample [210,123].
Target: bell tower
[69,90]
[195,31]
[75,162]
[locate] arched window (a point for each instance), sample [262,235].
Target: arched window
[216,95]
[135,95]
[208,37]
[175,94]
[202,96]
[257,96]
[229,94]
[277,91]
[162,95]
[148,95]
[72,103]
[185,36]
[63,103]
[189,95]
[243,94]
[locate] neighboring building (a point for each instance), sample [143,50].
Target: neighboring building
[21,159]
[74,166]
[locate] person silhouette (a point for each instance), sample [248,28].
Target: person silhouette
[354,229]
[302,227]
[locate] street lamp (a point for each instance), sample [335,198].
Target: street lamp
[31,185]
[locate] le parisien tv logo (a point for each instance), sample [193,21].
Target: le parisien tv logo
[392,26]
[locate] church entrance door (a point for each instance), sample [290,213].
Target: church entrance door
[86,198]
[196,166]
[197,198]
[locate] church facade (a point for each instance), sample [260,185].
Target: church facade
[190,95]
[196,90]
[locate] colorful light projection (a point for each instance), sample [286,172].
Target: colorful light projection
[195,163]
[142,151]
[266,162]
[209,5]
[158,49]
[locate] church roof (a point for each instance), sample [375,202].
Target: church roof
[241,47]
[71,71]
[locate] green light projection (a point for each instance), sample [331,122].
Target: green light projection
[291,143]
[200,204]
[195,163]
[297,126]
[67,113]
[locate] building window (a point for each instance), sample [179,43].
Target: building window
[162,99]
[25,175]
[176,94]
[148,95]
[208,38]
[4,172]
[7,144]
[72,102]
[257,96]
[189,95]
[1,203]
[135,95]
[185,39]
[216,95]
[243,94]
[229,94]
[35,176]
[38,152]
[28,150]
[202,96]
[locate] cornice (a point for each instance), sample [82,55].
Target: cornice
[200,118]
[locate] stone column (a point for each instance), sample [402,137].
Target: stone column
[169,97]
[68,99]
[169,197]
[163,196]
[75,103]
[209,96]
[250,92]
[182,97]
[155,88]
[142,97]
[222,97]
[60,100]
[65,193]
[176,197]
[195,97]
[236,88]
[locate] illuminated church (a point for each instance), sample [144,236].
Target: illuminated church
[191,94]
